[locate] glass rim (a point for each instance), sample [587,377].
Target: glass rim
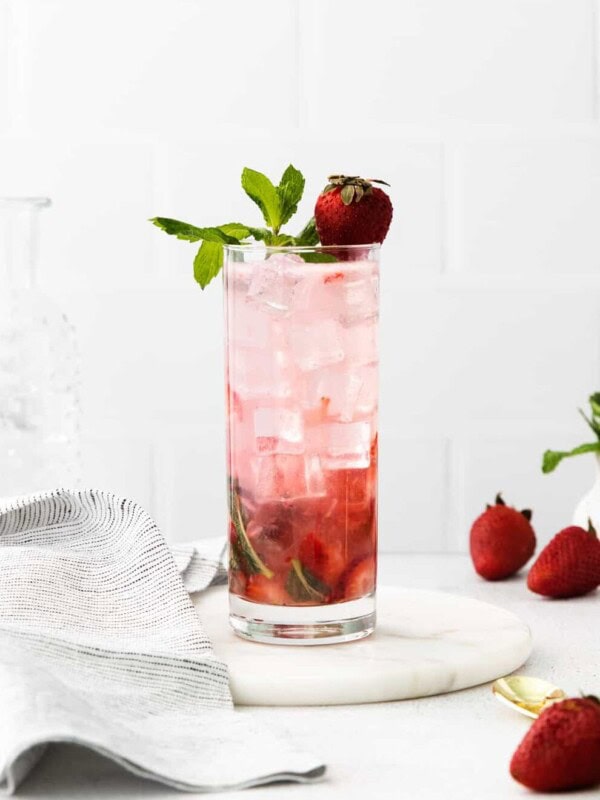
[299,248]
[32,202]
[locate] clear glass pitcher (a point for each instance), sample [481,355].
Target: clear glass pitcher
[39,373]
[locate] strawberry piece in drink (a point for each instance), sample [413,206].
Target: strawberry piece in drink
[358,580]
[325,559]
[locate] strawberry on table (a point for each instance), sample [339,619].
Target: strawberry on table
[561,750]
[350,210]
[569,565]
[502,541]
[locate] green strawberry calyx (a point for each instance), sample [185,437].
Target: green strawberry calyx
[353,188]
[499,501]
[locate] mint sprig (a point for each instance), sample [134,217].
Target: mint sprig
[242,551]
[277,204]
[303,586]
[552,458]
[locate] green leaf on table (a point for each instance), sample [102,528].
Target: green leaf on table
[308,236]
[260,189]
[305,587]
[290,191]
[243,552]
[208,262]
[190,233]
[552,458]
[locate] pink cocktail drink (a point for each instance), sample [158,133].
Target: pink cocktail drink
[302,391]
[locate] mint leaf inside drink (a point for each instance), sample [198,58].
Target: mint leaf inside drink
[303,586]
[241,550]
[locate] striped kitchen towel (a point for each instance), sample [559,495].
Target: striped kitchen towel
[100,645]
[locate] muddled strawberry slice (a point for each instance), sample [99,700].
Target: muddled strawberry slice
[324,559]
[266,590]
[237,581]
[352,486]
[358,580]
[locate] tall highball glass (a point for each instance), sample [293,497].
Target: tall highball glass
[302,397]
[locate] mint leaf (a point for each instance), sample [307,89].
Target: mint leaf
[290,191]
[305,587]
[260,234]
[280,240]
[552,458]
[208,262]
[190,233]
[595,426]
[239,231]
[242,549]
[318,258]
[260,189]
[235,229]
[595,404]
[308,236]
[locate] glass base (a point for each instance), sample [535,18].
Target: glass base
[302,625]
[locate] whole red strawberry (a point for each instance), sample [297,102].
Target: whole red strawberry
[502,541]
[561,750]
[568,566]
[350,210]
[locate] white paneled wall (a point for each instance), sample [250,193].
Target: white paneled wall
[484,117]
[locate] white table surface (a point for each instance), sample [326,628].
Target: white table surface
[451,746]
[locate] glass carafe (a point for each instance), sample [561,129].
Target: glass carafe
[39,375]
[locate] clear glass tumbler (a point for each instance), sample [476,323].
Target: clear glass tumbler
[302,395]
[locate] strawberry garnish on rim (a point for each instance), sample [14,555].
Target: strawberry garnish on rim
[350,211]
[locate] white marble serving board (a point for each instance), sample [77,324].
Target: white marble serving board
[425,643]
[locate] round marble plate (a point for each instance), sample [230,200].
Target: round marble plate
[425,643]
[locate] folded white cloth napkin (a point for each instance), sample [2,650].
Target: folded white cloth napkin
[100,645]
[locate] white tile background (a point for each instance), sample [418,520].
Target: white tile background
[484,116]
